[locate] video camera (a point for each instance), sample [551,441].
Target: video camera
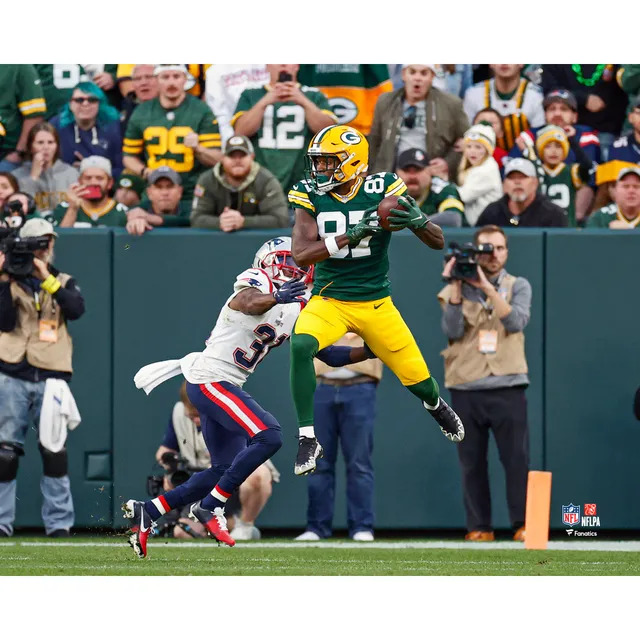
[19,251]
[178,471]
[466,266]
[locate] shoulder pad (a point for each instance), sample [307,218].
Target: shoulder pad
[438,184]
[302,185]
[256,278]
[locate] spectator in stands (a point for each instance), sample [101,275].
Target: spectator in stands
[88,201]
[22,106]
[453,78]
[487,374]
[239,193]
[129,189]
[439,199]
[345,413]
[183,437]
[479,178]
[561,109]
[89,126]
[174,129]
[352,89]
[417,116]
[280,120]
[8,185]
[491,117]
[138,84]
[628,77]
[224,84]
[518,101]
[44,176]
[58,82]
[624,212]
[601,102]
[162,209]
[522,205]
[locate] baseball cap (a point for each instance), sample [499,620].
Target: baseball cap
[133,182]
[413,158]
[238,143]
[96,162]
[36,228]
[165,172]
[522,165]
[560,95]
[626,171]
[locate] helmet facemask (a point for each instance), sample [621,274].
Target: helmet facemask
[321,164]
[281,268]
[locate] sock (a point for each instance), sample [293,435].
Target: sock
[262,446]
[194,489]
[303,376]
[306,432]
[428,391]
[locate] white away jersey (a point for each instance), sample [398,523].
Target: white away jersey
[239,342]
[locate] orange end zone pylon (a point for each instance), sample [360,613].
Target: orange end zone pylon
[538,510]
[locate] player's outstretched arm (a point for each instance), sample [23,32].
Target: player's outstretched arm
[412,217]
[307,249]
[342,356]
[431,235]
[252,302]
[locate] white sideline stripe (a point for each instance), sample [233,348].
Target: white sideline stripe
[626,545]
[234,407]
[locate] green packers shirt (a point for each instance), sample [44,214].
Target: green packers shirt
[156,135]
[442,196]
[601,218]
[283,138]
[113,214]
[58,82]
[354,273]
[21,97]
[560,186]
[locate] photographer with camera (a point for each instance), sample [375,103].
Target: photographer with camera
[36,303]
[485,311]
[182,453]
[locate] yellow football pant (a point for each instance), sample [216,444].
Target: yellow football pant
[377,322]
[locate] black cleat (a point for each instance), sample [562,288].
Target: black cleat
[140,526]
[309,450]
[450,424]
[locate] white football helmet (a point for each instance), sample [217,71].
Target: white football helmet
[275,257]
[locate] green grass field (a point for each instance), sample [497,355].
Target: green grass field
[111,556]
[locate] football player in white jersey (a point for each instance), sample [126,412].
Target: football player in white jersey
[240,435]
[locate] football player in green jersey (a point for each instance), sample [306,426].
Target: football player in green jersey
[337,229]
[280,119]
[175,129]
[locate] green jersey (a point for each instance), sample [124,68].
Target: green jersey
[156,135]
[21,97]
[282,140]
[601,218]
[442,196]
[354,273]
[560,186]
[58,82]
[113,214]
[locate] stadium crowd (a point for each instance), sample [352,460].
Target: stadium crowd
[219,146]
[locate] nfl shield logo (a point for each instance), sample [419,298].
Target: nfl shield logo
[570,514]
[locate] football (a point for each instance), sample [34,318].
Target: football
[384,211]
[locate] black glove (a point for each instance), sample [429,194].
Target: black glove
[370,354]
[290,291]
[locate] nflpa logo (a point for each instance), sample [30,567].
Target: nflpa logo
[589,509]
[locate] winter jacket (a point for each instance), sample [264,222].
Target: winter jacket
[50,189]
[446,123]
[260,199]
[482,186]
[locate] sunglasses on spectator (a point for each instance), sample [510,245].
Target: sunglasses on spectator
[92,100]
[410,117]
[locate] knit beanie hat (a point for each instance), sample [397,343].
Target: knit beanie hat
[552,133]
[484,134]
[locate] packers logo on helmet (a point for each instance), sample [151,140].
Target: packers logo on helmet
[336,155]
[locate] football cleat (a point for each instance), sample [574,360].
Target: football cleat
[140,526]
[309,450]
[450,424]
[214,522]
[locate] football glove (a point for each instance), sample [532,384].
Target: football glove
[413,217]
[365,227]
[367,350]
[290,292]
